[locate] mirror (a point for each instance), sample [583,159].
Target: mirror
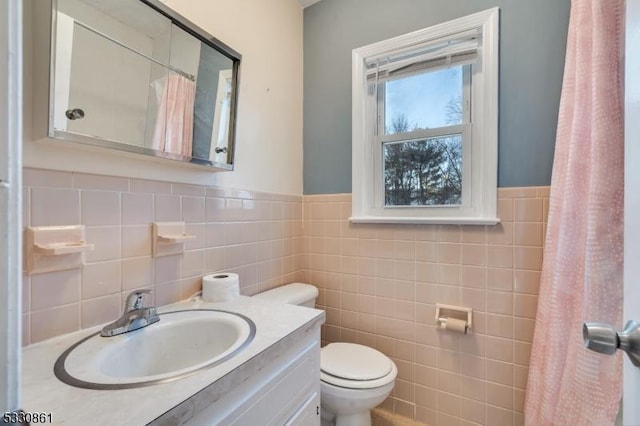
[133,75]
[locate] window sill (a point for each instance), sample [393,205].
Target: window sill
[427,220]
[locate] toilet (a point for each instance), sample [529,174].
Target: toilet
[354,378]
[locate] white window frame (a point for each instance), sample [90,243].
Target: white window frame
[480,171]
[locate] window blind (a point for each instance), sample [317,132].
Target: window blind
[457,49]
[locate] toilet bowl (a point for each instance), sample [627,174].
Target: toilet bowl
[354,378]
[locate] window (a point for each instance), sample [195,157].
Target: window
[425,125]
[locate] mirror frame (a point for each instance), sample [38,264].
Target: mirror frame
[194,30]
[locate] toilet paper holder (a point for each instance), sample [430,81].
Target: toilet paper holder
[457,313]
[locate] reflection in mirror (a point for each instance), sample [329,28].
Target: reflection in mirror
[141,79]
[211,112]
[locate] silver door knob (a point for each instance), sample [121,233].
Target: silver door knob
[74,114]
[603,338]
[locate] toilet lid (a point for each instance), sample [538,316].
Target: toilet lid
[354,362]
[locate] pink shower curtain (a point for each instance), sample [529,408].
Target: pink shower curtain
[174,124]
[582,271]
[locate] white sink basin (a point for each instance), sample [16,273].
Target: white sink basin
[180,344]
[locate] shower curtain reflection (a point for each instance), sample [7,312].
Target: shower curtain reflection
[174,124]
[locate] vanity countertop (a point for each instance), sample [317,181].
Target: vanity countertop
[44,393]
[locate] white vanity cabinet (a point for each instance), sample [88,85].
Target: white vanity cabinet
[283,390]
[275,380]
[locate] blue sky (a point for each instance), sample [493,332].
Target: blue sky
[423,98]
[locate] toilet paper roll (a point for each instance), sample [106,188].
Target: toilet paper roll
[220,287]
[456,325]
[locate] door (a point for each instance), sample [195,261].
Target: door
[631,374]
[10,200]
[603,337]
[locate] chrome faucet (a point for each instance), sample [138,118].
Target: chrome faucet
[135,316]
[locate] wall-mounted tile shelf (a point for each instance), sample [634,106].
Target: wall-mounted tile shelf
[55,248]
[175,238]
[169,238]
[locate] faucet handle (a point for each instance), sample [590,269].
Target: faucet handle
[135,299]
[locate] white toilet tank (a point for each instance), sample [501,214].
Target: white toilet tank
[293,294]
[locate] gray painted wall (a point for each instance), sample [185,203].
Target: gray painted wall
[532,48]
